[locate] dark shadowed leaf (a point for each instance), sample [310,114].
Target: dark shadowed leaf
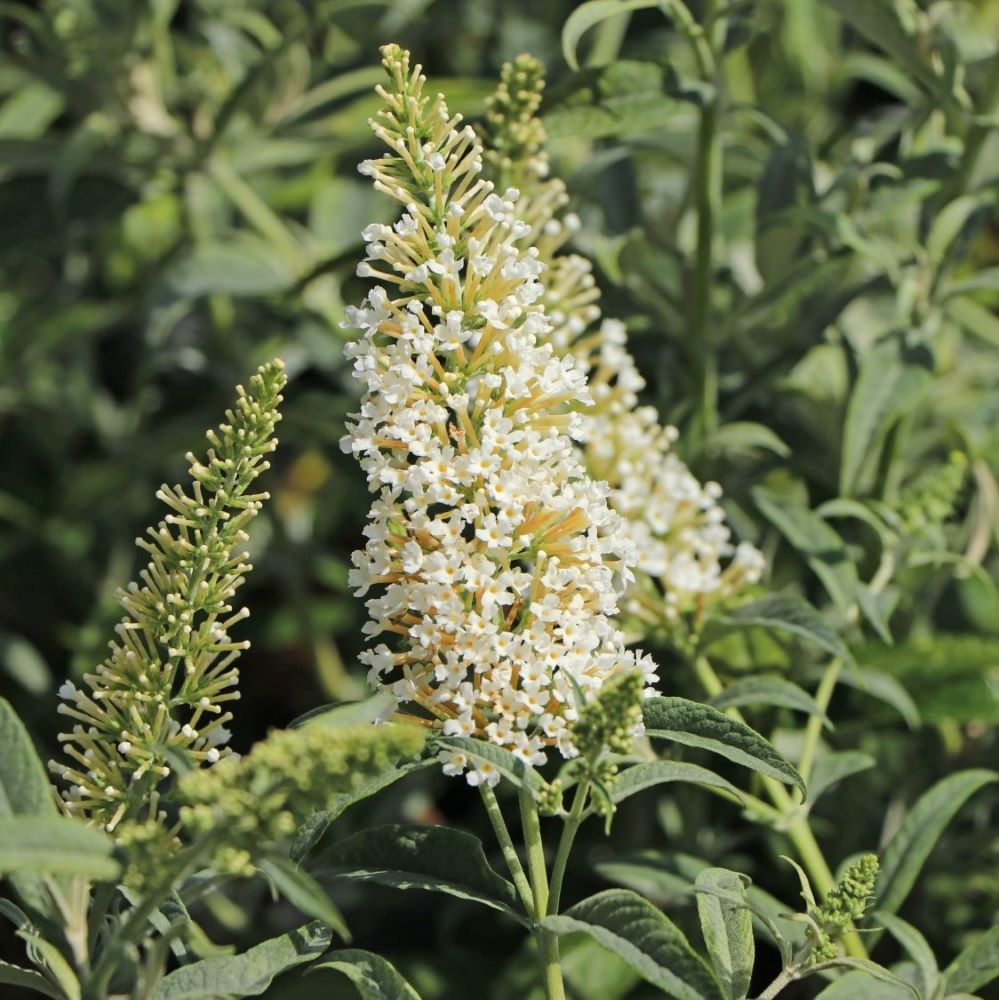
[374,977]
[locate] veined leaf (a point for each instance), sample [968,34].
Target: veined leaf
[917,947]
[886,985]
[885,688]
[695,725]
[781,612]
[304,892]
[436,858]
[856,985]
[727,926]
[645,938]
[14,975]
[24,791]
[831,768]
[374,977]
[976,966]
[248,974]
[55,845]
[348,713]
[638,777]
[890,384]
[909,848]
[768,690]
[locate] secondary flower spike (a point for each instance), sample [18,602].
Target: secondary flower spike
[163,688]
[496,560]
[674,521]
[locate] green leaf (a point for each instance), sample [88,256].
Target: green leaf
[949,222]
[248,974]
[304,892]
[508,764]
[24,791]
[436,858]
[917,947]
[649,873]
[727,926]
[24,787]
[590,14]
[14,975]
[976,966]
[348,713]
[768,690]
[311,832]
[374,977]
[920,830]
[891,382]
[702,726]
[782,612]
[24,664]
[645,938]
[743,437]
[57,846]
[858,985]
[832,768]
[888,986]
[245,266]
[885,688]
[975,318]
[641,776]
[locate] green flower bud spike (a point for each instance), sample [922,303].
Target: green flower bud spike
[844,905]
[163,688]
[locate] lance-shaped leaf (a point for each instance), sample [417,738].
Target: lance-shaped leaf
[727,926]
[14,975]
[659,772]
[702,726]
[55,845]
[780,612]
[919,951]
[303,892]
[645,938]
[831,768]
[590,14]
[768,690]
[977,965]
[374,977]
[248,974]
[24,791]
[436,858]
[909,848]
[507,763]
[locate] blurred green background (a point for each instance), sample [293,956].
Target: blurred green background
[179,201]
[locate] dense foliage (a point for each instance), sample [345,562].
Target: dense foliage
[788,214]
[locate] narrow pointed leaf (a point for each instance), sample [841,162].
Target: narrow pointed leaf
[248,974]
[977,965]
[436,858]
[781,612]
[918,949]
[727,926]
[641,776]
[831,768]
[920,830]
[374,977]
[14,975]
[774,691]
[590,14]
[645,938]
[304,892]
[57,846]
[702,726]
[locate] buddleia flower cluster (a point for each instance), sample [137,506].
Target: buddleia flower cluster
[496,560]
[675,522]
[845,904]
[171,671]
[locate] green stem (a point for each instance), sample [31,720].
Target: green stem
[547,942]
[502,832]
[569,831]
[823,696]
[784,979]
[796,821]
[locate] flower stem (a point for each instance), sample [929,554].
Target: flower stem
[547,942]
[797,827]
[520,882]
[572,825]
[785,978]
[814,728]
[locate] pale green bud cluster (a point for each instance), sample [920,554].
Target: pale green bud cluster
[931,499]
[261,800]
[514,131]
[163,688]
[611,721]
[844,905]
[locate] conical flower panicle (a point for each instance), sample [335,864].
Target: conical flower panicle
[675,522]
[170,672]
[496,561]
